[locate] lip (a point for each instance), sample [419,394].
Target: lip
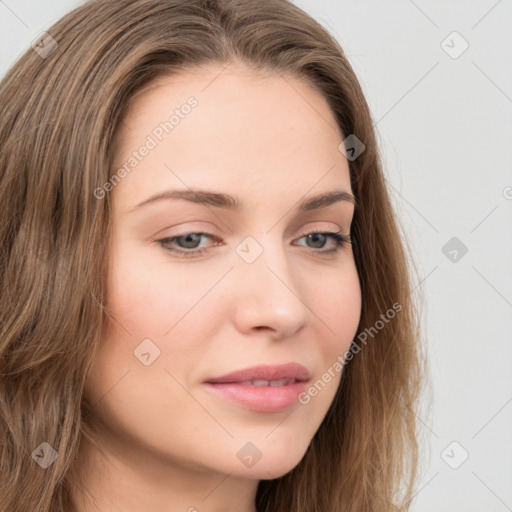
[267,398]
[265,372]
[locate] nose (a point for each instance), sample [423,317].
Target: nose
[268,294]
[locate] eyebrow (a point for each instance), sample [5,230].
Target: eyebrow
[233,203]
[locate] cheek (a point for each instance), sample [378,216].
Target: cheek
[339,310]
[144,302]
[150,297]
[153,300]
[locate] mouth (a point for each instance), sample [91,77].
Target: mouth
[262,388]
[281,382]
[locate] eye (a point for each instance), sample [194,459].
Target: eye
[188,243]
[320,237]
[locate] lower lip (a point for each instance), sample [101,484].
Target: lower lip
[260,398]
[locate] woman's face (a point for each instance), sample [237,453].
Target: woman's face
[260,292]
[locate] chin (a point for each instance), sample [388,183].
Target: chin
[274,464]
[270,470]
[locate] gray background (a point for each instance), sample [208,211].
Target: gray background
[444,122]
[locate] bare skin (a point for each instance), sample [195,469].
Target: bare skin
[171,445]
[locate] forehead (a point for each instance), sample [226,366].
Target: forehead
[249,129]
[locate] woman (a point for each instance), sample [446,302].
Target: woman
[205,295]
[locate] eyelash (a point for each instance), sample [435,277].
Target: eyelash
[341,242]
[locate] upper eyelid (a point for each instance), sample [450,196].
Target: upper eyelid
[303,232]
[323,226]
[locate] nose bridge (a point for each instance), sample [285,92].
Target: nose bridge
[268,288]
[262,255]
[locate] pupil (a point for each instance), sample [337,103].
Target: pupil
[188,238]
[317,235]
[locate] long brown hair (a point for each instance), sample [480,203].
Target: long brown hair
[60,110]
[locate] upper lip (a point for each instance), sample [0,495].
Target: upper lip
[265,372]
